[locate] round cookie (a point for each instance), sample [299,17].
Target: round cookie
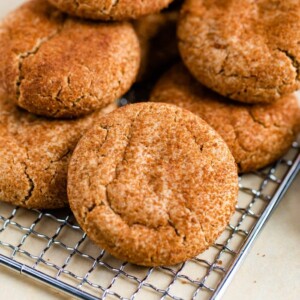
[57,66]
[245,50]
[157,36]
[152,184]
[257,135]
[34,155]
[110,9]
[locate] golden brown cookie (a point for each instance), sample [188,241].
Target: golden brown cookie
[152,184]
[257,135]
[157,36]
[245,50]
[34,155]
[58,66]
[110,9]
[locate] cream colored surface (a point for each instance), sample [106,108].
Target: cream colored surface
[270,271]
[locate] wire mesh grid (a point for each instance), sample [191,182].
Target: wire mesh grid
[52,247]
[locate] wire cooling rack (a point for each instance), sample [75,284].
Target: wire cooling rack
[50,247]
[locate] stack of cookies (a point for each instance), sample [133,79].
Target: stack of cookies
[58,76]
[240,67]
[153,183]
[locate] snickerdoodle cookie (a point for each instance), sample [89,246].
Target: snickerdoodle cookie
[110,9]
[157,36]
[152,184]
[245,50]
[256,134]
[58,66]
[34,155]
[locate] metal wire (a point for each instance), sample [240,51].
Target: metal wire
[49,246]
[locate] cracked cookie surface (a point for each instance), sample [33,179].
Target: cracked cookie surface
[257,135]
[152,184]
[110,9]
[34,155]
[58,66]
[245,50]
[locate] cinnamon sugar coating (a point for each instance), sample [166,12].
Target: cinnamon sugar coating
[34,155]
[257,135]
[110,9]
[152,184]
[58,66]
[245,50]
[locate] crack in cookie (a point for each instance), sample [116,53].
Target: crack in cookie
[141,190]
[66,67]
[23,56]
[31,185]
[34,156]
[235,47]
[257,135]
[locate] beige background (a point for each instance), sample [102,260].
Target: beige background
[270,271]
